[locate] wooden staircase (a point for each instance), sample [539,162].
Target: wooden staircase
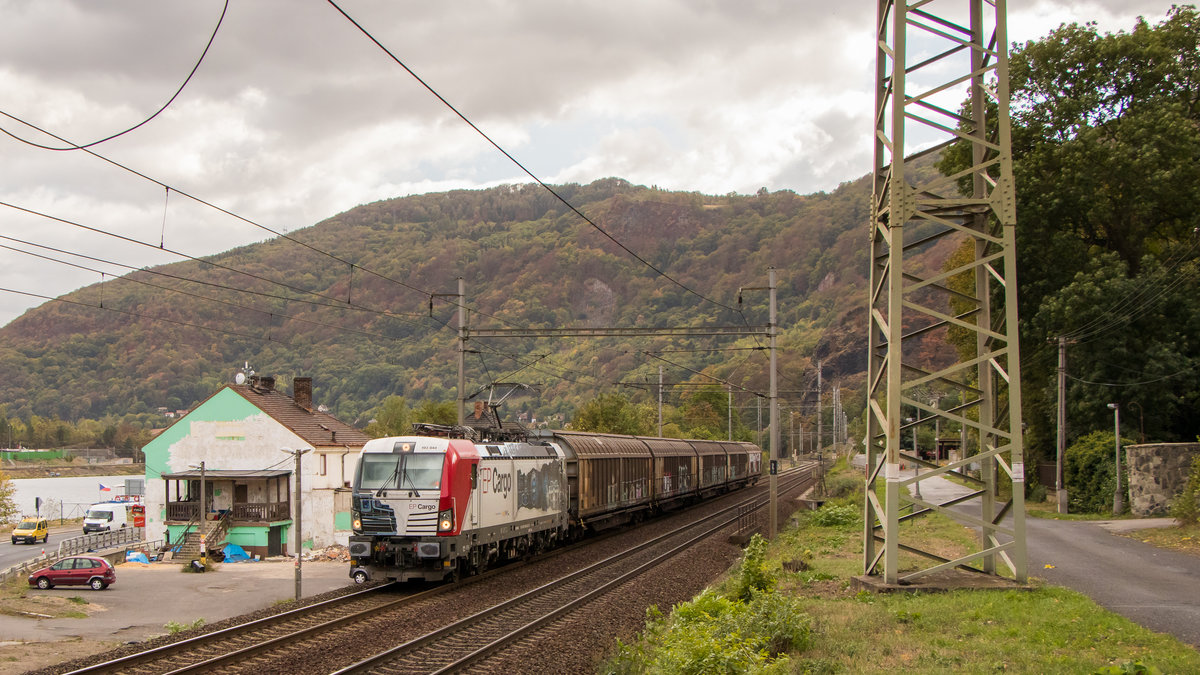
[188,548]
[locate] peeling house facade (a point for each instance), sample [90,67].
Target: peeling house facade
[247,480]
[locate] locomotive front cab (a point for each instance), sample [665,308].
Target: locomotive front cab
[410,495]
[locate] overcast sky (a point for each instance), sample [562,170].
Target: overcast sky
[295,116]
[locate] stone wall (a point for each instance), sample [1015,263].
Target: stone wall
[1157,472]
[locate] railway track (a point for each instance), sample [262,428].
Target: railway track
[468,642]
[307,635]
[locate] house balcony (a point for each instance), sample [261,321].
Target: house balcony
[189,511]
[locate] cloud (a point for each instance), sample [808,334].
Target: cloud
[295,115]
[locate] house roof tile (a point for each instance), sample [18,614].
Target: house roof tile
[315,427]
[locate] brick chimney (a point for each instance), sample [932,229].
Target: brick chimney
[302,392]
[266,382]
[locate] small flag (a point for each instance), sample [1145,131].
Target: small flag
[104,488]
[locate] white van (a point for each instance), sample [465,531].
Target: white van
[105,518]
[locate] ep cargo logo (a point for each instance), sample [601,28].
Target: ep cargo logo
[495,481]
[418,506]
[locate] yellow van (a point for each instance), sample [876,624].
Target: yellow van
[30,530]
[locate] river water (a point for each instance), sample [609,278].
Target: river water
[65,496]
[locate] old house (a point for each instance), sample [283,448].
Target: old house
[232,458]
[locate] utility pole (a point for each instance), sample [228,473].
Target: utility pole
[461,299]
[937,428]
[462,370]
[758,407]
[1060,489]
[1118,498]
[660,386]
[729,409]
[297,510]
[820,368]
[795,450]
[203,506]
[774,479]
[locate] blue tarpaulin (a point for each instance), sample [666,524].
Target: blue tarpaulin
[235,553]
[136,556]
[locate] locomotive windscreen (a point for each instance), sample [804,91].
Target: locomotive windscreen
[378,471]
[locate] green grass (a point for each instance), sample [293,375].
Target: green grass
[1049,510]
[174,627]
[808,567]
[1185,538]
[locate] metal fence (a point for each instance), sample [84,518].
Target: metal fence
[124,539]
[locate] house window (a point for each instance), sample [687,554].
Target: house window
[324,467]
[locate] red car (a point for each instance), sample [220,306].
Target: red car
[76,571]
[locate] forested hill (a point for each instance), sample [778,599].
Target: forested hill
[364,330]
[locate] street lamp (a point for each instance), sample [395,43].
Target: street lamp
[1118,501]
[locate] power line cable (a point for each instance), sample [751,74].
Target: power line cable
[1112,316]
[286,237]
[227,212]
[200,260]
[148,119]
[144,316]
[522,167]
[1177,373]
[272,314]
[339,305]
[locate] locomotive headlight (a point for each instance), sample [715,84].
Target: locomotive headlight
[446,520]
[356,521]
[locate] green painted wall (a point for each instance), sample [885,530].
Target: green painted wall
[242,536]
[224,406]
[341,520]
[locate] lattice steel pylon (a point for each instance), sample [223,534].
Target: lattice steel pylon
[928,53]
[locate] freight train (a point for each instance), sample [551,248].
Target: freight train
[436,507]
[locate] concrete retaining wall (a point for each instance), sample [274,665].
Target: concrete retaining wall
[1157,473]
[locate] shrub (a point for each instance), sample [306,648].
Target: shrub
[835,516]
[1186,505]
[752,574]
[715,634]
[780,622]
[837,487]
[1088,473]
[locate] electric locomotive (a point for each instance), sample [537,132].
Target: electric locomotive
[443,506]
[428,508]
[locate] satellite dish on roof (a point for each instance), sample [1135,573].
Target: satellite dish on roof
[240,378]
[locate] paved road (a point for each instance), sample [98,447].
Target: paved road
[147,597]
[1155,588]
[14,554]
